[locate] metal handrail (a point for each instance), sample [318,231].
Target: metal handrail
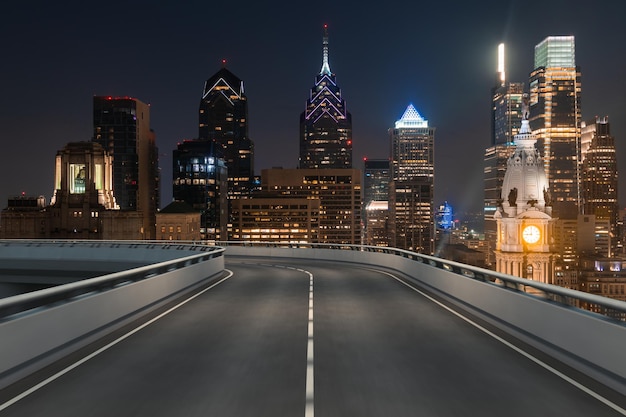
[553,293]
[63,293]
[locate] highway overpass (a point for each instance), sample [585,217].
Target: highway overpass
[333,331]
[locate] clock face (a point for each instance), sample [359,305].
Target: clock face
[531,234]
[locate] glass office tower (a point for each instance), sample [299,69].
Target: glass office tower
[223,118]
[555,118]
[599,167]
[122,126]
[506,119]
[411,191]
[200,179]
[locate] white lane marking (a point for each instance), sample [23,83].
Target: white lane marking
[309,409]
[536,360]
[104,348]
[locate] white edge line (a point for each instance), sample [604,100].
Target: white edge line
[515,348]
[106,347]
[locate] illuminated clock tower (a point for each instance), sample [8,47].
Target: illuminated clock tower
[525,226]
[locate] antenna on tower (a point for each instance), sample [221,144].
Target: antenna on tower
[325,65]
[501,70]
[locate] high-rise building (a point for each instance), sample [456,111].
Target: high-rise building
[122,126]
[325,124]
[555,118]
[506,119]
[599,169]
[411,204]
[200,179]
[271,217]
[506,105]
[376,176]
[339,194]
[223,118]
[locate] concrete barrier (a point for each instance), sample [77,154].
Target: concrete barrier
[586,341]
[33,339]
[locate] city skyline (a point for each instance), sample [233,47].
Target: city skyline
[383,60]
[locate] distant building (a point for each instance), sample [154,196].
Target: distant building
[325,124]
[605,277]
[339,194]
[377,231]
[200,179]
[276,218]
[121,125]
[445,219]
[178,221]
[599,169]
[459,252]
[223,119]
[376,177]
[411,190]
[24,218]
[506,119]
[83,205]
[555,118]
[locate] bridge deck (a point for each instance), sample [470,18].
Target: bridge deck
[376,347]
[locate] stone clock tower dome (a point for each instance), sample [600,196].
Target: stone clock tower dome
[524,245]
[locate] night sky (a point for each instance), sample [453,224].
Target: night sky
[440,56]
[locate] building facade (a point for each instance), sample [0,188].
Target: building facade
[599,173]
[276,218]
[506,119]
[411,190]
[121,125]
[325,124]
[178,221]
[83,205]
[200,179]
[223,118]
[555,118]
[339,194]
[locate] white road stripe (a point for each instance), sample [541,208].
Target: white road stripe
[104,348]
[309,410]
[536,360]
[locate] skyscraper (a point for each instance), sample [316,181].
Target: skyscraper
[375,215]
[200,179]
[223,118]
[411,206]
[325,124]
[599,168]
[555,118]
[122,126]
[376,176]
[506,118]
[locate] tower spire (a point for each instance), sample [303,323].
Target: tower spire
[325,66]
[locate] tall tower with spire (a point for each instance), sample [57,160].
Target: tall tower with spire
[506,119]
[525,227]
[325,124]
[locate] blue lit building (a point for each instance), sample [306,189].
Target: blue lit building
[444,217]
[411,189]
